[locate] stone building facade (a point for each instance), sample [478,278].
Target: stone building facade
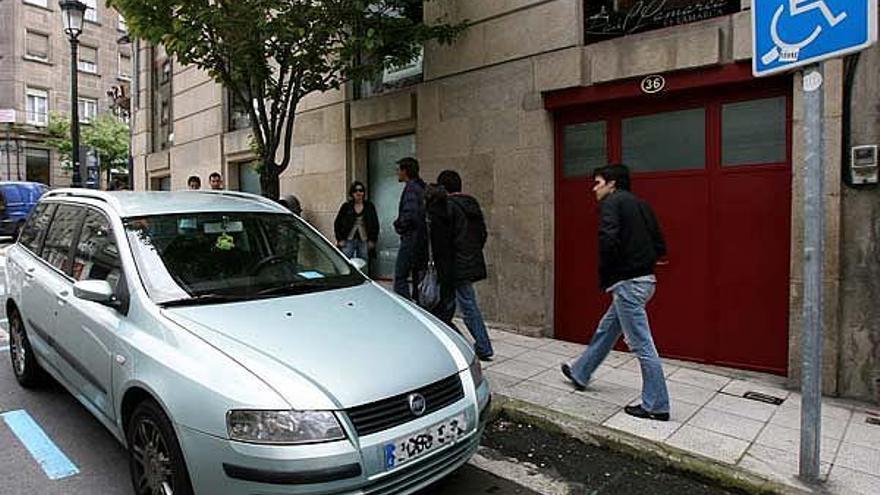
[513,106]
[35,80]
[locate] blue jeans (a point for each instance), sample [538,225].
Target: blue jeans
[408,269]
[356,248]
[466,299]
[627,315]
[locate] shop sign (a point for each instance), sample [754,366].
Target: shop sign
[607,19]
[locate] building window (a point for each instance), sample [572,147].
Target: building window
[91,10]
[124,66]
[88,59]
[121,24]
[37,46]
[584,148]
[754,132]
[88,109]
[38,3]
[162,105]
[37,105]
[239,117]
[37,165]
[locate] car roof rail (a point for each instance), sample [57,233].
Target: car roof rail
[82,193]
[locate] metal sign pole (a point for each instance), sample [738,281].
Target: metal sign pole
[814,213]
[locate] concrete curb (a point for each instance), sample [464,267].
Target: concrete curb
[723,474]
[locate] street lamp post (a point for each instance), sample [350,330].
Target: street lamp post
[73,12]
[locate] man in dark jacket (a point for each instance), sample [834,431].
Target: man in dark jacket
[458,234]
[630,243]
[412,257]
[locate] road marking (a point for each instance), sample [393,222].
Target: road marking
[55,464]
[524,474]
[4,348]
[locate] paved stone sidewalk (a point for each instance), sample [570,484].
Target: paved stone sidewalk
[710,418]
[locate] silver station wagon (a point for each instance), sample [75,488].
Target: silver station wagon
[233,350]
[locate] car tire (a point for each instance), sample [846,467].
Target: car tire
[155,460]
[27,370]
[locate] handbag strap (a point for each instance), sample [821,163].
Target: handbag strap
[430,250]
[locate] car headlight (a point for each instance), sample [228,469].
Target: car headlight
[476,370]
[283,427]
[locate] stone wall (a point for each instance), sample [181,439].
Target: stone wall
[859,372]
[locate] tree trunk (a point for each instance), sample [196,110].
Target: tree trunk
[270,184]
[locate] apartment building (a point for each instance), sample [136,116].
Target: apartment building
[532,97]
[35,80]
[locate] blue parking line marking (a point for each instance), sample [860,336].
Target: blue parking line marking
[55,464]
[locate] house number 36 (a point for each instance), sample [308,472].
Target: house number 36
[653,84]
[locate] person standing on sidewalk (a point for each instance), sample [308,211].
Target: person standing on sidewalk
[630,243]
[357,224]
[412,256]
[467,237]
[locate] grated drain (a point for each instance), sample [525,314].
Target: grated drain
[873,420]
[765,398]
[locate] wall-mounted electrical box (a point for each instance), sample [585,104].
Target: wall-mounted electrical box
[863,166]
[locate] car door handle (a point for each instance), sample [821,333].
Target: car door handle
[29,273]
[61,297]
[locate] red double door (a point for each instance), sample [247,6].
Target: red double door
[715,166]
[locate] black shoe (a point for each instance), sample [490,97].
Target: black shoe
[638,412]
[566,370]
[485,357]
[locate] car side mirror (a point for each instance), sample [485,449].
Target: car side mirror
[98,291]
[360,263]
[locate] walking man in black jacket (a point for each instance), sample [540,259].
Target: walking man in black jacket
[458,234]
[412,256]
[630,243]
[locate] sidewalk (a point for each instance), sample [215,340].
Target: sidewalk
[713,430]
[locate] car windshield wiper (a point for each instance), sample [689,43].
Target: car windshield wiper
[306,286]
[203,299]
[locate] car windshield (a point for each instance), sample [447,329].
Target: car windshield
[196,258]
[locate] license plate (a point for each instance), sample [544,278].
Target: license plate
[414,445]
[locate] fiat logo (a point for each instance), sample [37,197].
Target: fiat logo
[417,404]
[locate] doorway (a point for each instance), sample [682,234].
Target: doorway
[384,191]
[716,168]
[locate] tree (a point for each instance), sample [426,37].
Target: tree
[107,134]
[272,53]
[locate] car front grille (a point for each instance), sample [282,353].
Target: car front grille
[394,411]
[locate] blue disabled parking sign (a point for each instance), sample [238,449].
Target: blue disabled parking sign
[788,34]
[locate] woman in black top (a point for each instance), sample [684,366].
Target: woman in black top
[357,224]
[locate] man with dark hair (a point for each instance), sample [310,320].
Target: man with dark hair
[194,183]
[216,181]
[412,256]
[291,202]
[630,243]
[460,246]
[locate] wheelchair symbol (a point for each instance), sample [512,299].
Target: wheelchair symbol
[789,52]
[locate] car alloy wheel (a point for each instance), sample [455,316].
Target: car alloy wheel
[156,463]
[24,365]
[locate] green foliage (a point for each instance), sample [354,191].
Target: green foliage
[271,53]
[110,137]
[108,134]
[58,130]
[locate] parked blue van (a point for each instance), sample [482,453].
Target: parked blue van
[16,201]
